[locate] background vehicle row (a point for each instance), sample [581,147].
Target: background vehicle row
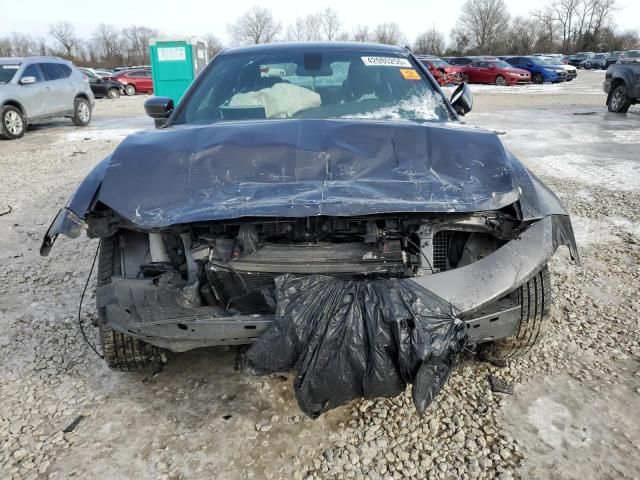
[39,88]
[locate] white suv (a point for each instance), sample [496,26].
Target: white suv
[39,88]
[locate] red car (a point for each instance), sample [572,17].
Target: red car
[134,81]
[443,73]
[495,72]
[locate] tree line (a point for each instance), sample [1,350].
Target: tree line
[483,27]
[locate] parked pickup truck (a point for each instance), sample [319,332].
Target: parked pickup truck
[622,82]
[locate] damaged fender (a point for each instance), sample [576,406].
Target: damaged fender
[471,287]
[69,220]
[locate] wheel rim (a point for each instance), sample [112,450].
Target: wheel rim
[537,78]
[130,90]
[13,122]
[500,81]
[113,93]
[83,112]
[616,100]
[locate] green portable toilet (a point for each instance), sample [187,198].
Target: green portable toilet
[175,63]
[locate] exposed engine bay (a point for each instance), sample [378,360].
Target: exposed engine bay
[232,265]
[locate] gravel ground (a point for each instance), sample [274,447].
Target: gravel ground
[573,413]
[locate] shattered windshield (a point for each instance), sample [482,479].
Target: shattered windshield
[7,71]
[313,85]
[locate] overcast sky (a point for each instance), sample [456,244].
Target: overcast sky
[197,17]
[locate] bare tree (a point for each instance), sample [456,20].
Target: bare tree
[136,40]
[23,45]
[214,45]
[361,33]
[431,41]
[255,26]
[64,34]
[602,15]
[523,36]
[106,40]
[330,23]
[565,11]
[545,20]
[388,33]
[305,29]
[485,22]
[460,41]
[6,49]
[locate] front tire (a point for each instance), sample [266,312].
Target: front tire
[81,112]
[121,352]
[12,123]
[535,299]
[500,81]
[537,78]
[618,101]
[130,90]
[113,93]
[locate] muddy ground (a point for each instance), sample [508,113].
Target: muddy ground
[573,414]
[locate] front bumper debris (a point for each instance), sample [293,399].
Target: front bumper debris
[158,312]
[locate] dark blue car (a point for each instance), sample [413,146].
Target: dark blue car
[340,167]
[541,70]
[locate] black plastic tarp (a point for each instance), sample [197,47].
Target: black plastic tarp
[298,168]
[358,338]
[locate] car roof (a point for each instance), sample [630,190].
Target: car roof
[20,60]
[329,46]
[131,70]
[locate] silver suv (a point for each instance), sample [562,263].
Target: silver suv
[39,88]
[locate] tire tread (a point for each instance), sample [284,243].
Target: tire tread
[535,298]
[121,352]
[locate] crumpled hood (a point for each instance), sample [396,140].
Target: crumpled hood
[297,168]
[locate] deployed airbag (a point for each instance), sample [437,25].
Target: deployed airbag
[356,338]
[283,100]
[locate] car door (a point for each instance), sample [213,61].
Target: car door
[146,81]
[60,88]
[485,73]
[33,96]
[97,85]
[135,79]
[474,72]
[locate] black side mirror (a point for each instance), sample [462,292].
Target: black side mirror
[462,99]
[159,108]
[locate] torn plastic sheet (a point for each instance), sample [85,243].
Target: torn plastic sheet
[356,338]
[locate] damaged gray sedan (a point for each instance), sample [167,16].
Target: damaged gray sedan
[340,160]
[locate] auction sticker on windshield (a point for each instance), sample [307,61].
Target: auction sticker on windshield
[409,74]
[385,62]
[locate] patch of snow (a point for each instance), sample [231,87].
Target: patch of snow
[551,419]
[96,134]
[589,231]
[606,172]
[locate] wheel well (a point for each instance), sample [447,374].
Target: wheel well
[13,103]
[615,82]
[82,95]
